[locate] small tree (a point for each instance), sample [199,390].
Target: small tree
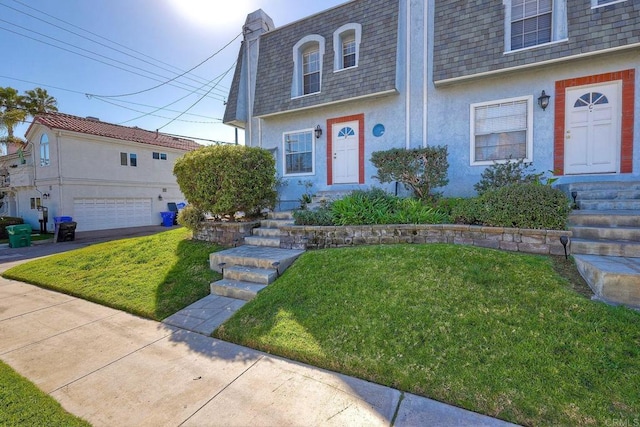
[226,179]
[420,170]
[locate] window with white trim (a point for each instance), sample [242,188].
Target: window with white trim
[501,131]
[530,23]
[346,45]
[45,159]
[159,156]
[299,153]
[600,3]
[308,55]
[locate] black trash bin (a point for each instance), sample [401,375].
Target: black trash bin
[66,232]
[173,207]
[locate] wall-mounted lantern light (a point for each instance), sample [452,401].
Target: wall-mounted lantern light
[160,197]
[543,100]
[318,131]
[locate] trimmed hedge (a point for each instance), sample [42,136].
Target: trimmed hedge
[226,179]
[526,205]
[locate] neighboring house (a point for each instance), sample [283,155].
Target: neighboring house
[102,175]
[325,92]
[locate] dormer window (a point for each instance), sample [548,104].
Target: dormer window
[308,55]
[346,42]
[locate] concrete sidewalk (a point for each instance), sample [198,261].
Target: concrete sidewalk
[112,368]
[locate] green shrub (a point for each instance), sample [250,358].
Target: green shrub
[468,211]
[420,170]
[371,207]
[190,217]
[528,205]
[321,216]
[226,179]
[501,174]
[414,211]
[364,207]
[8,220]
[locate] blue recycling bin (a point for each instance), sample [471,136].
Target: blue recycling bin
[167,218]
[57,220]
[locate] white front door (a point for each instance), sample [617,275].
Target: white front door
[592,129]
[345,153]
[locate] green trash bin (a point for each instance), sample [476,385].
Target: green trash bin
[19,235]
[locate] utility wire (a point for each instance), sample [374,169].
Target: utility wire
[84,93]
[220,77]
[108,58]
[195,103]
[103,38]
[169,81]
[97,42]
[157,115]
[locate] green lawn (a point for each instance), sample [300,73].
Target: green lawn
[498,333]
[24,404]
[153,276]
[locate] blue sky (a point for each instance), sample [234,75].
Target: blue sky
[179,33]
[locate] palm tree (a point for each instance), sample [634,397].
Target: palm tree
[11,111]
[38,101]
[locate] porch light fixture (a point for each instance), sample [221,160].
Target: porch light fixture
[159,196]
[543,100]
[564,240]
[318,131]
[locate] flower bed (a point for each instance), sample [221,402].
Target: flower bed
[510,239]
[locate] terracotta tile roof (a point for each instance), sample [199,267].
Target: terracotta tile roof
[92,126]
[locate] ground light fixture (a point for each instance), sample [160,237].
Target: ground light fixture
[318,132]
[564,240]
[574,194]
[543,100]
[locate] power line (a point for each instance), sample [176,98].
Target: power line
[84,94]
[170,80]
[162,83]
[157,115]
[104,38]
[221,76]
[97,42]
[195,103]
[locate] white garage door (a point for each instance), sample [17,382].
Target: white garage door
[100,214]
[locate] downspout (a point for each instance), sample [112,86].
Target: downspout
[60,204]
[249,104]
[408,78]
[425,77]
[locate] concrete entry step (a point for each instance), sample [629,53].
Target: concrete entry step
[612,279]
[266,232]
[620,248]
[263,276]
[605,218]
[254,256]
[280,215]
[275,223]
[271,242]
[236,289]
[599,205]
[609,233]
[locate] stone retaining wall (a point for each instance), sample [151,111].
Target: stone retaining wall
[225,233]
[510,239]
